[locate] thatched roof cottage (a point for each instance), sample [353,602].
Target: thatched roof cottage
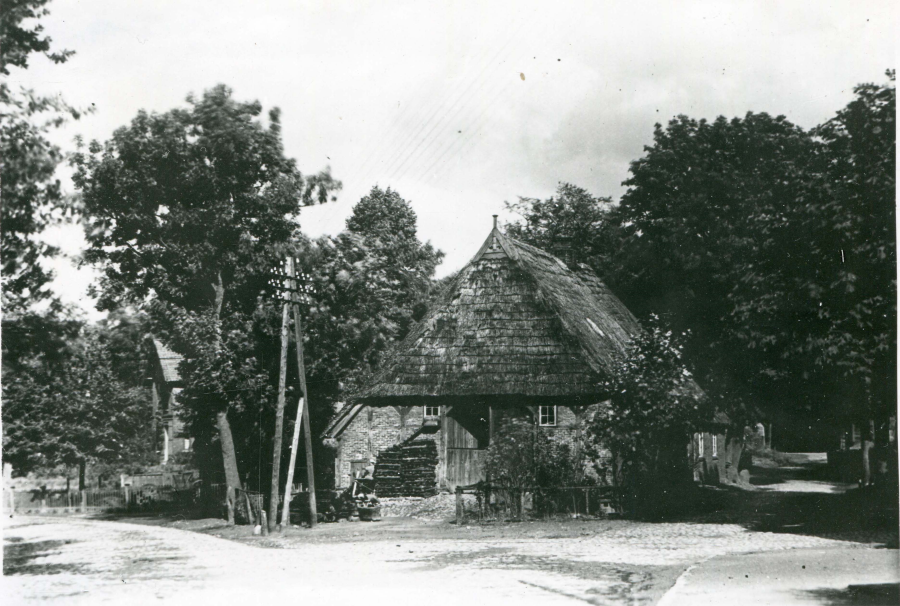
[516,332]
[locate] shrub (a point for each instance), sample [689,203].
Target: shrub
[646,425]
[521,459]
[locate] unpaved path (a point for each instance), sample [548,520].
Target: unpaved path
[793,578]
[786,521]
[75,561]
[98,562]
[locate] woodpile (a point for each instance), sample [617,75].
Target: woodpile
[417,469]
[407,470]
[387,472]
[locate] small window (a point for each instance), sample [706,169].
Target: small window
[700,445]
[547,416]
[187,443]
[715,445]
[432,412]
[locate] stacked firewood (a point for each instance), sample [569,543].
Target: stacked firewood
[407,470]
[387,472]
[420,458]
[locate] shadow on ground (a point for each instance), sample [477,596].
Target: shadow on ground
[19,557]
[856,595]
[865,515]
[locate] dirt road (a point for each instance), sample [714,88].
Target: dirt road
[75,561]
[401,560]
[95,562]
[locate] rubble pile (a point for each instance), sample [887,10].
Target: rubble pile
[441,507]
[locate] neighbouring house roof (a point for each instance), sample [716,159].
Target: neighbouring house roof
[341,420]
[168,361]
[515,321]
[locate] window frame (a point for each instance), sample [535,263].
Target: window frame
[700,446]
[541,416]
[425,414]
[715,445]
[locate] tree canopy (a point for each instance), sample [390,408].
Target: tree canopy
[369,283]
[773,245]
[87,405]
[192,203]
[187,212]
[572,219]
[28,160]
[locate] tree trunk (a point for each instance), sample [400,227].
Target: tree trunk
[734,447]
[82,471]
[229,459]
[867,443]
[279,420]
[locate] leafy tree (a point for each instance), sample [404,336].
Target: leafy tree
[774,246]
[20,42]
[28,162]
[653,410]
[706,205]
[189,210]
[574,222]
[853,219]
[78,409]
[369,283]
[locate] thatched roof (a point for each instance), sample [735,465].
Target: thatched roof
[168,361]
[515,321]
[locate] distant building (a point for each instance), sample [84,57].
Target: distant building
[708,455]
[165,382]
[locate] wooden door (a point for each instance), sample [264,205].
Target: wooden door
[466,435]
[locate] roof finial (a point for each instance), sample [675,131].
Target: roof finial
[495,221]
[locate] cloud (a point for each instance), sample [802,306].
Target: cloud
[427,97]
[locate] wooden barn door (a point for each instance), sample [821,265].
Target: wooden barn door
[466,434]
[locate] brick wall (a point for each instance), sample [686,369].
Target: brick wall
[372,430]
[378,427]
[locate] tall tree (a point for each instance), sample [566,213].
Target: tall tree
[191,208]
[573,220]
[854,220]
[28,160]
[85,406]
[369,285]
[698,219]
[774,246]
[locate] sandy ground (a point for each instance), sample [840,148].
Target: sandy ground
[75,561]
[793,578]
[406,560]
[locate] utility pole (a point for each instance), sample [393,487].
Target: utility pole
[301,371]
[285,511]
[279,420]
[288,282]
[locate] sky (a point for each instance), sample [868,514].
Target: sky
[457,105]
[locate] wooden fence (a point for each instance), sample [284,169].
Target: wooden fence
[127,499]
[496,502]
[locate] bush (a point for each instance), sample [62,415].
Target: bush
[521,459]
[654,407]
